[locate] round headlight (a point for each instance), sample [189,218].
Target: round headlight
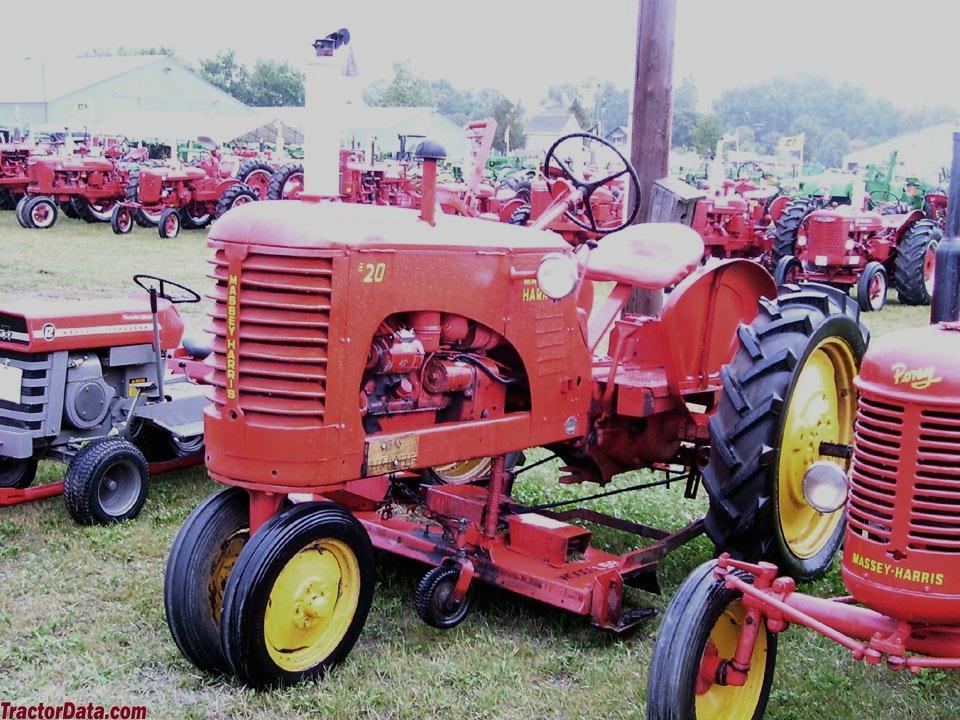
[557,276]
[825,486]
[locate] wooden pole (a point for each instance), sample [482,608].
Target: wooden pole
[652,115]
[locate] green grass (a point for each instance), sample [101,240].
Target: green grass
[81,610]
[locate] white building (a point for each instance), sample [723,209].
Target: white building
[919,154]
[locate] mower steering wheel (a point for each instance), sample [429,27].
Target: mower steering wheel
[588,188]
[175,293]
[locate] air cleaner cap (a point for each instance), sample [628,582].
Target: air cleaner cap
[430,150]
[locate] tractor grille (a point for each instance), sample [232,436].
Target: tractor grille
[283,322]
[13,329]
[935,510]
[30,413]
[876,465]
[826,237]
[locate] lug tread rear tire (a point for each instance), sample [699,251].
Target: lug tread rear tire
[908,264]
[786,227]
[280,178]
[230,196]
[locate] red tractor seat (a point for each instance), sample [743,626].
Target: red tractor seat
[652,256]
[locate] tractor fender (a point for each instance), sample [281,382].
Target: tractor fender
[701,317]
[776,207]
[907,222]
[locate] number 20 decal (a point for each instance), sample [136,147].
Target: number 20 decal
[373,272]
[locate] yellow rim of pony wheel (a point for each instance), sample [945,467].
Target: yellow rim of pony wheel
[312,604]
[463,471]
[820,409]
[732,702]
[222,567]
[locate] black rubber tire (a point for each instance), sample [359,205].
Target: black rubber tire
[872,270]
[121,220]
[69,208]
[280,179]
[741,477]
[784,268]
[192,602]
[17,473]
[252,166]
[132,196]
[432,598]
[7,201]
[88,213]
[786,227]
[908,264]
[693,612]
[18,211]
[232,195]
[185,447]
[32,205]
[86,472]
[261,561]
[170,223]
[193,220]
[520,216]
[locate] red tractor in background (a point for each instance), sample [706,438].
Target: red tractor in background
[738,221]
[370,183]
[14,176]
[85,186]
[866,249]
[376,373]
[188,196]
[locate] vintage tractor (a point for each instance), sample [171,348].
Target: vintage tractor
[843,247]
[14,177]
[286,183]
[88,187]
[377,371]
[898,472]
[189,196]
[738,221]
[369,182]
[105,386]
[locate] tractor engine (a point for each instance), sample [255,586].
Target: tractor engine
[429,367]
[903,534]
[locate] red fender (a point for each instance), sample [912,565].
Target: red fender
[776,207]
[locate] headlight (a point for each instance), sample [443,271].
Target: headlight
[557,276]
[849,245]
[825,486]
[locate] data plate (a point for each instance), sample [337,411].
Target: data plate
[10,380]
[387,455]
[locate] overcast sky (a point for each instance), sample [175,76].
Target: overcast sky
[905,51]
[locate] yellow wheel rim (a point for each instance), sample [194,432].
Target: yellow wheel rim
[820,409]
[463,471]
[732,702]
[223,564]
[311,605]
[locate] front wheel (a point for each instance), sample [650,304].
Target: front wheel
[872,288]
[701,628]
[121,220]
[787,270]
[106,482]
[169,225]
[40,213]
[17,473]
[788,395]
[298,596]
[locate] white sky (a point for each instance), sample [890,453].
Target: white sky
[898,49]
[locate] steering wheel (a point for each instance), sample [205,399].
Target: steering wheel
[589,187]
[167,289]
[750,164]
[884,194]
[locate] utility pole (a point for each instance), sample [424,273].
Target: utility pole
[652,115]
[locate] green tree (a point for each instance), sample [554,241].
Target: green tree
[408,88]
[580,113]
[274,84]
[833,146]
[227,73]
[708,131]
[508,115]
[126,51]
[685,115]
[614,107]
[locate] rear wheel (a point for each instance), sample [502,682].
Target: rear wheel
[788,389]
[94,211]
[286,183]
[106,482]
[787,226]
[196,216]
[701,628]
[298,596]
[7,200]
[256,175]
[872,287]
[201,560]
[17,473]
[69,208]
[787,271]
[169,225]
[144,217]
[235,196]
[914,264]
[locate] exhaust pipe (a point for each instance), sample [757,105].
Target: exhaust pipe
[324,100]
[945,303]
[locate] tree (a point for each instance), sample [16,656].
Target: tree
[706,134]
[580,113]
[126,51]
[508,115]
[614,107]
[274,84]
[226,73]
[407,88]
[685,115]
[833,146]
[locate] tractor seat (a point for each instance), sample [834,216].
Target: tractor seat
[652,256]
[197,348]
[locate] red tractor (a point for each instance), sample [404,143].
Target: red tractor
[286,183]
[844,247]
[104,386]
[14,177]
[371,183]
[738,222]
[84,186]
[188,196]
[377,372]
[898,471]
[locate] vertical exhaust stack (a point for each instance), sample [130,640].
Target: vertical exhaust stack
[325,102]
[945,303]
[430,152]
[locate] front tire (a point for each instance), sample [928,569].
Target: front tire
[298,596]
[872,288]
[107,482]
[169,225]
[788,389]
[17,473]
[198,568]
[705,619]
[40,213]
[121,220]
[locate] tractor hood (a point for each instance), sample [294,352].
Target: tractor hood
[916,364]
[39,325]
[318,225]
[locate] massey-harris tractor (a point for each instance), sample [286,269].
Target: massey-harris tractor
[105,386]
[376,371]
[898,472]
[738,222]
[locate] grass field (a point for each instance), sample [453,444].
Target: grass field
[81,611]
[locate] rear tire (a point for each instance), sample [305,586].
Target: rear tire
[872,288]
[705,613]
[787,270]
[17,473]
[787,226]
[141,216]
[286,183]
[7,201]
[913,266]
[107,482]
[256,175]
[788,388]
[234,196]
